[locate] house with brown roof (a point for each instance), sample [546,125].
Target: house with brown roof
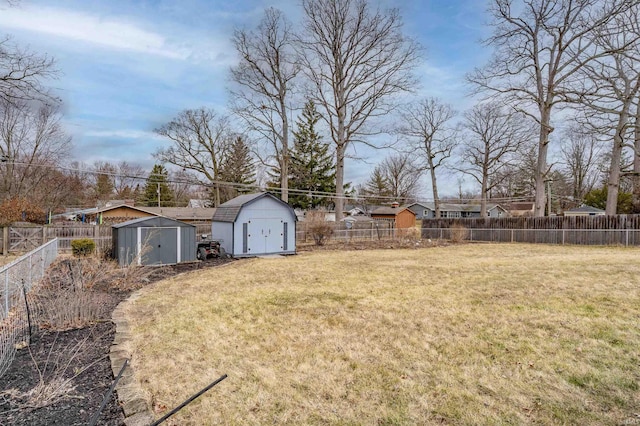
[402,216]
[118,213]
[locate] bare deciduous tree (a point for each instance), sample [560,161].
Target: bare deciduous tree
[580,156]
[493,138]
[402,175]
[613,83]
[32,140]
[539,49]
[22,72]
[128,176]
[427,125]
[636,159]
[200,138]
[264,78]
[356,59]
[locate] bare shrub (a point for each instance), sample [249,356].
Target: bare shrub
[67,308]
[408,234]
[75,292]
[318,227]
[56,375]
[459,233]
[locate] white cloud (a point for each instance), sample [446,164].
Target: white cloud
[123,134]
[108,32]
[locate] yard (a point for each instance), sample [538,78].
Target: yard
[466,334]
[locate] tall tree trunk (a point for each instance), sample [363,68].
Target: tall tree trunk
[339,200]
[483,196]
[216,200]
[636,161]
[284,166]
[341,148]
[541,167]
[434,188]
[613,184]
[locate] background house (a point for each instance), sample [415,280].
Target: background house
[521,209]
[121,212]
[585,211]
[453,210]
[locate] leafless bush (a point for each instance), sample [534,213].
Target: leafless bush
[408,234]
[67,308]
[74,293]
[459,233]
[56,375]
[318,227]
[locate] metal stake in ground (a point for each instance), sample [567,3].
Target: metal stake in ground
[188,401]
[94,419]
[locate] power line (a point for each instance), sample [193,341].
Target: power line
[293,191]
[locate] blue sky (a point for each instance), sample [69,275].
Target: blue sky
[129,66]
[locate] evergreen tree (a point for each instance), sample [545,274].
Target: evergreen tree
[158,179]
[103,188]
[377,189]
[311,168]
[237,167]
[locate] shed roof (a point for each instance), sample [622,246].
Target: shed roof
[390,210]
[154,221]
[358,218]
[228,212]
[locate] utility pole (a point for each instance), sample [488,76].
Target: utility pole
[158,194]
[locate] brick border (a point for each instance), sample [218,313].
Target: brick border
[134,402]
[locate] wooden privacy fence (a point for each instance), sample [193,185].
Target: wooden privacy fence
[21,239]
[584,230]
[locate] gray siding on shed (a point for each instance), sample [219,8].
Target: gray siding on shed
[173,242]
[188,243]
[223,232]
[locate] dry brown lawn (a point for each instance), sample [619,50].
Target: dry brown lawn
[5,260]
[466,334]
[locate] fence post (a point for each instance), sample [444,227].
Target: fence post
[511,235]
[626,238]
[562,236]
[5,240]
[44,235]
[6,293]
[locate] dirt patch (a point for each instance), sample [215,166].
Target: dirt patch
[76,362]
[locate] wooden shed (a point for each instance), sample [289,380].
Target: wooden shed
[402,217]
[153,241]
[255,224]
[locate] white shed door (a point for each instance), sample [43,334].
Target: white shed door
[265,236]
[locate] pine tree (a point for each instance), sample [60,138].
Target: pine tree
[158,175]
[377,188]
[311,167]
[237,167]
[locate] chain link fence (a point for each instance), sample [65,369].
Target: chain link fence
[16,280]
